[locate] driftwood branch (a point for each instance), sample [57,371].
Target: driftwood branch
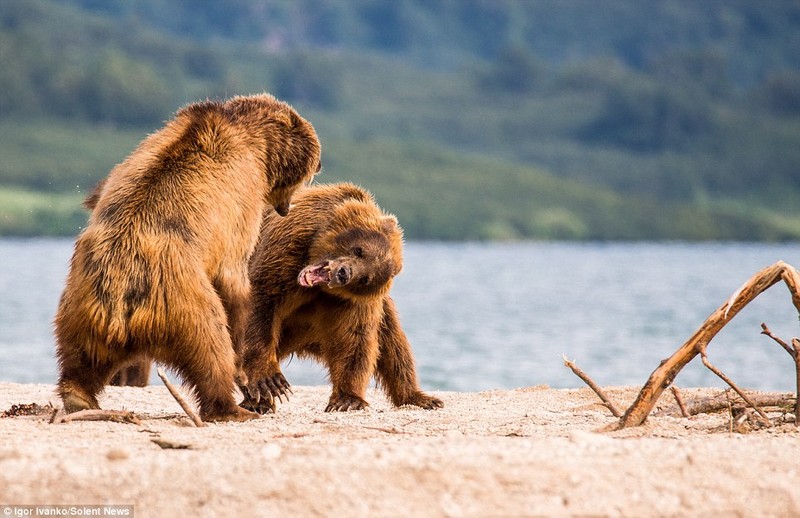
[679,400]
[796,345]
[783,402]
[663,376]
[731,384]
[794,352]
[788,348]
[592,385]
[182,402]
[118,416]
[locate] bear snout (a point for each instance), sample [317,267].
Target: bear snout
[332,273]
[282,208]
[342,275]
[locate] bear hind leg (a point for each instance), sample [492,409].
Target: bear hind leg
[396,371]
[81,380]
[204,358]
[211,377]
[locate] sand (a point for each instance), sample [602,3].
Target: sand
[526,452]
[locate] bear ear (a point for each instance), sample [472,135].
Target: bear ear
[397,267]
[285,118]
[389,224]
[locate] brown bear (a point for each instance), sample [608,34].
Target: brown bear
[321,278]
[160,271]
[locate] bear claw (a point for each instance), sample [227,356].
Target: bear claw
[345,402]
[263,406]
[419,399]
[261,396]
[427,402]
[276,385]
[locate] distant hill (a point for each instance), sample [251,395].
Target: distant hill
[753,38]
[471,120]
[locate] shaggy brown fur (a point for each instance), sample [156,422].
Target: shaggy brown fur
[137,374]
[321,278]
[160,272]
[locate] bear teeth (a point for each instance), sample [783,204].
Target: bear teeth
[315,274]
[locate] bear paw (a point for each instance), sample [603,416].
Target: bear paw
[262,406]
[345,402]
[77,400]
[260,395]
[423,400]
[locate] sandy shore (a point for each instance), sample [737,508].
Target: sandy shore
[527,452]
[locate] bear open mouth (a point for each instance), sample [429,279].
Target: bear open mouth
[314,275]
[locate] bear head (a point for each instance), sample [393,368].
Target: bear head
[358,253]
[291,143]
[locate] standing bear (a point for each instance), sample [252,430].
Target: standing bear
[160,272]
[321,278]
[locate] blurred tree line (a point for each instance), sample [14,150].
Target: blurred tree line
[683,101]
[129,61]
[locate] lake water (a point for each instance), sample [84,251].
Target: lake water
[485,316]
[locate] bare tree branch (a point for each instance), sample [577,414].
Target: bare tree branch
[731,384]
[119,416]
[787,347]
[182,402]
[592,385]
[679,401]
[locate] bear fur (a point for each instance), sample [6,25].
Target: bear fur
[137,374]
[160,271]
[321,278]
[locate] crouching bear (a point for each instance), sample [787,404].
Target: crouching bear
[320,282]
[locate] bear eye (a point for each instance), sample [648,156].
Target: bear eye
[364,281]
[358,251]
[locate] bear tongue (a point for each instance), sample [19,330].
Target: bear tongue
[314,274]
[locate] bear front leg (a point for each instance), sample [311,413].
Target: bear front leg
[350,368]
[261,380]
[396,371]
[264,383]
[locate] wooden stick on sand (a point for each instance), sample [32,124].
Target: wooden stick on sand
[592,385]
[794,352]
[182,402]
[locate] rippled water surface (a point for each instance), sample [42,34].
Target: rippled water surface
[483,316]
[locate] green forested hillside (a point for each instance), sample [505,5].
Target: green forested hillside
[469,119]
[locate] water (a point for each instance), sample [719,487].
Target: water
[484,316]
